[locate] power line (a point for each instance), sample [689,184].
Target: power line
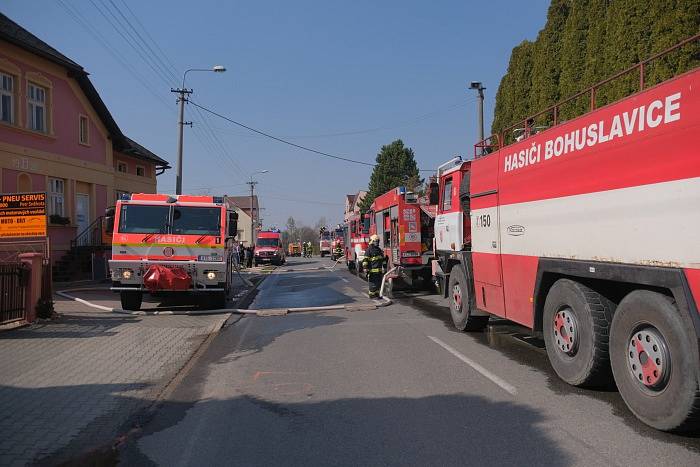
[129,40]
[168,72]
[82,22]
[281,140]
[162,65]
[401,124]
[298,146]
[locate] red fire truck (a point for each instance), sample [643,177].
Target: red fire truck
[268,248]
[164,243]
[324,241]
[405,235]
[589,233]
[356,241]
[337,242]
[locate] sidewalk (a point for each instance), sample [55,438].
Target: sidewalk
[71,385]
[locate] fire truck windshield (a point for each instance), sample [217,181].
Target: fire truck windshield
[196,221]
[326,235]
[274,242]
[143,218]
[140,218]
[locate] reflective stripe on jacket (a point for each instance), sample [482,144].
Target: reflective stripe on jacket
[374,259]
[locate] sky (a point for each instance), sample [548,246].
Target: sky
[341,77]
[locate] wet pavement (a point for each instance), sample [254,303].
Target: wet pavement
[392,386]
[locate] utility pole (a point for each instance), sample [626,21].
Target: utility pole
[183,93]
[252,184]
[478,86]
[182,98]
[252,212]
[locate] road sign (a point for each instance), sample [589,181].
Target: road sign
[22,215]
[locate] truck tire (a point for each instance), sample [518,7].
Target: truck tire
[358,268]
[460,308]
[654,356]
[131,300]
[576,324]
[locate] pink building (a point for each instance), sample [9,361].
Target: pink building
[57,135]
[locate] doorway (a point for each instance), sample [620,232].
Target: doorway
[82,216]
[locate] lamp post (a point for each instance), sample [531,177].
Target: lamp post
[182,98]
[252,184]
[480,90]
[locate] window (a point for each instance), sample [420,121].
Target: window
[140,171]
[196,221]
[447,195]
[83,128]
[36,108]
[56,196]
[121,167]
[7,94]
[139,218]
[268,242]
[119,193]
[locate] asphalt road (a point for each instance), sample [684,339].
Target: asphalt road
[394,386]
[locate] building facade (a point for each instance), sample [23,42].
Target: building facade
[57,136]
[352,204]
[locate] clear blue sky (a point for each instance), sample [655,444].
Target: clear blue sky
[309,71]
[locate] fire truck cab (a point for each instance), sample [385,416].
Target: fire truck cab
[268,248]
[356,241]
[588,233]
[172,243]
[324,241]
[405,231]
[337,242]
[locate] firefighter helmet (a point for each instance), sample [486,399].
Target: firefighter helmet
[374,238]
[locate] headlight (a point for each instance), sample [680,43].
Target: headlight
[126,274]
[211,275]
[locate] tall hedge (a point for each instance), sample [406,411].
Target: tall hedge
[584,42]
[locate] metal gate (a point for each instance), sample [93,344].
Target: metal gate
[14,278]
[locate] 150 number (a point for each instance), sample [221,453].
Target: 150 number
[483,220]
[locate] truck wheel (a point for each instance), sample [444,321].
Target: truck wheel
[131,300]
[358,269]
[460,303]
[576,322]
[654,358]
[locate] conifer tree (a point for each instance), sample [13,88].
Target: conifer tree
[396,166]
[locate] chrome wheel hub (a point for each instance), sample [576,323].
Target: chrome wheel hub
[648,358]
[566,331]
[457,298]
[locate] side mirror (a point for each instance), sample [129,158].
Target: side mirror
[434,193]
[232,224]
[109,224]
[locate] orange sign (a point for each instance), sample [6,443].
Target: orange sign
[22,215]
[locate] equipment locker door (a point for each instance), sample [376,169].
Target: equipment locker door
[486,241]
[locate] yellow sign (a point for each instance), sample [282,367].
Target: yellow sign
[22,215]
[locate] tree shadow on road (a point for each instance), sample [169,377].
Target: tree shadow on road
[234,343]
[437,430]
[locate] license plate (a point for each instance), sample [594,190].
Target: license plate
[209,258]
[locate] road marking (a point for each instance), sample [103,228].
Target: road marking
[509,388]
[343,279]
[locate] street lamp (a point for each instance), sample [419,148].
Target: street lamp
[183,92]
[252,184]
[476,85]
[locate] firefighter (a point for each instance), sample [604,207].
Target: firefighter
[373,263]
[338,253]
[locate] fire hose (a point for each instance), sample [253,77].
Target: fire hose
[261,312]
